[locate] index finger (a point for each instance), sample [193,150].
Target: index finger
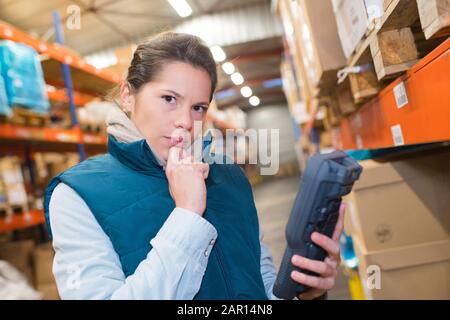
[339,224]
[174,155]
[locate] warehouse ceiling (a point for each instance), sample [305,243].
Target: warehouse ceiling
[106,24]
[259,63]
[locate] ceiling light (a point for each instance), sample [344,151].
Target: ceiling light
[228,67]
[254,101]
[218,54]
[246,92]
[237,78]
[224,94]
[181,7]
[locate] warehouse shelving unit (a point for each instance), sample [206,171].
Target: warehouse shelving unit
[392,102]
[17,222]
[413,109]
[53,135]
[88,83]
[84,75]
[59,95]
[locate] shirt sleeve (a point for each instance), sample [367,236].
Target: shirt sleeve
[268,270]
[86,266]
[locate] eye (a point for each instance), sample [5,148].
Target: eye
[169,99]
[200,109]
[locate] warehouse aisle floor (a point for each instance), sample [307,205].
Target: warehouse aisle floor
[274,201]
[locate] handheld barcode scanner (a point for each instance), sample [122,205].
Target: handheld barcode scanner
[326,179]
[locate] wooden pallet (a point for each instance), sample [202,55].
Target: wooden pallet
[93,127]
[399,38]
[395,43]
[26,117]
[8,210]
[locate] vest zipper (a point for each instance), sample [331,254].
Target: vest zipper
[218,253]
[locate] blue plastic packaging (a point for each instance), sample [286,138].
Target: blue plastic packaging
[23,77]
[5,110]
[349,258]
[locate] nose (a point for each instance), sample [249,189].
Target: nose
[183,118]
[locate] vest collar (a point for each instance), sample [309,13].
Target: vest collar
[139,157]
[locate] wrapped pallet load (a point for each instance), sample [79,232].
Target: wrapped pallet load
[22,73]
[4,107]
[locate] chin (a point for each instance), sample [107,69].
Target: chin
[163,154]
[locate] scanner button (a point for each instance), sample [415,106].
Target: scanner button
[323,214]
[309,229]
[333,206]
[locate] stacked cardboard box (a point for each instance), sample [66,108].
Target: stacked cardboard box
[11,179]
[19,254]
[43,275]
[434,17]
[318,43]
[399,217]
[50,164]
[124,55]
[354,19]
[35,262]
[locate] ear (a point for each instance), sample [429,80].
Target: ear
[126,98]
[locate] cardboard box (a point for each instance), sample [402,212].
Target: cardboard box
[352,23]
[124,56]
[43,264]
[13,183]
[50,164]
[48,291]
[413,272]
[19,254]
[325,139]
[386,3]
[401,203]
[344,98]
[434,17]
[318,40]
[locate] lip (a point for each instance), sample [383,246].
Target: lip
[169,140]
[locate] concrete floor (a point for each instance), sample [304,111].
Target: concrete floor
[274,200]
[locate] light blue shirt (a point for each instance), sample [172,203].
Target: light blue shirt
[86,266]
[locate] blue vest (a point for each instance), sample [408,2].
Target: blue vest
[127,191]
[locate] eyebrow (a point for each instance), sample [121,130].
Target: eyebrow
[176,94]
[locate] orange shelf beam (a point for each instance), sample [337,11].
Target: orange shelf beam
[55,51]
[413,109]
[59,95]
[14,132]
[89,138]
[22,221]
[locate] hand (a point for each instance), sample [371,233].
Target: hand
[326,269]
[186,179]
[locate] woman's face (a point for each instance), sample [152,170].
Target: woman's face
[169,104]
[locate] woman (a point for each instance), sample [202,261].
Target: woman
[149,221]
